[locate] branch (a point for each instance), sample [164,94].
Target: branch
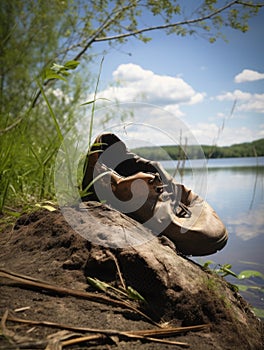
[171,25]
[103,26]
[116,12]
[249,4]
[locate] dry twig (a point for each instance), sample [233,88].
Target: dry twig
[42,285]
[149,334]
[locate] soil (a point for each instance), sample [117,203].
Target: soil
[42,245]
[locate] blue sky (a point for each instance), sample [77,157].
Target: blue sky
[196,83]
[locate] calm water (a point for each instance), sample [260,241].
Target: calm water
[235,189]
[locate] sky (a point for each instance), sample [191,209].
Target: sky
[213,92]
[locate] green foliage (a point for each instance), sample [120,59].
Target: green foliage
[26,158]
[97,284]
[221,270]
[247,149]
[250,273]
[119,293]
[57,71]
[250,149]
[225,270]
[244,288]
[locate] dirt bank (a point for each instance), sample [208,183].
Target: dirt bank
[43,246]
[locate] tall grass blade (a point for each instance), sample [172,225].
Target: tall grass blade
[92,123]
[59,133]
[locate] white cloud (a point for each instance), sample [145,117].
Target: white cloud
[238,134]
[235,95]
[133,83]
[249,224]
[255,104]
[248,75]
[205,133]
[198,97]
[174,109]
[210,133]
[247,102]
[260,133]
[147,98]
[131,72]
[151,125]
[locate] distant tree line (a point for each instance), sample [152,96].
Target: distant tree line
[247,149]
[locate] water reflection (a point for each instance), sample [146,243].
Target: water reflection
[235,189]
[249,224]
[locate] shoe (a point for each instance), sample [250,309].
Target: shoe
[145,191]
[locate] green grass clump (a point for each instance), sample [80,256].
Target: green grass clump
[29,143]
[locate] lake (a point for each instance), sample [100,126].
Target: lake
[234,187]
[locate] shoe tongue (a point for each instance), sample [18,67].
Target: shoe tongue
[108,140]
[114,150]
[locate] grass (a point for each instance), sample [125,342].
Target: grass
[28,148]
[26,169]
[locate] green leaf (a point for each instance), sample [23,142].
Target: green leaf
[133,294]
[98,284]
[87,103]
[71,64]
[244,288]
[250,273]
[51,75]
[207,263]
[65,73]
